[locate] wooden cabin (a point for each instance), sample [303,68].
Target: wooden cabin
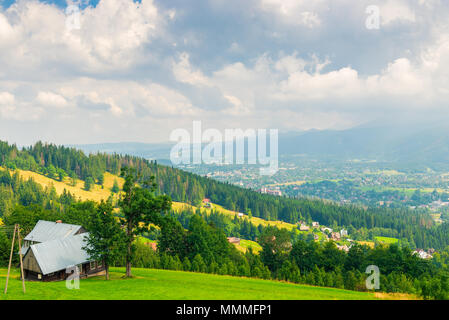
[56,259]
[48,230]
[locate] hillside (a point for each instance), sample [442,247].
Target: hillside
[197,242]
[97,193]
[254,220]
[150,284]
[57,161]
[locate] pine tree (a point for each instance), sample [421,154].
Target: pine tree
[186,265]
[88,183]
[115,187]
[198,264]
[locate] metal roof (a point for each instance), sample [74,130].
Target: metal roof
[48,230]
[56,255]
[24,250]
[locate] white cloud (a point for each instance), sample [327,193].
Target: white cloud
[296,84]
[112,36]
[121,71]
[14,109]
[6,98]
[6,30]
[51,99]
[300,12]
[7,105]
[396,10]
[127,98]
[183,72]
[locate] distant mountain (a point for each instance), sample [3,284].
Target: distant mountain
[159,151]
[411,143]
[425,144]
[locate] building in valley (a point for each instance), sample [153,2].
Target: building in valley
[234,240]
[207,203]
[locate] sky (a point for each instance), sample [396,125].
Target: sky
[76,72]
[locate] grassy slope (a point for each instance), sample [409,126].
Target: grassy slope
[96,193]
[254,220]
[164,284]
[368,243]
[387,240]
[246,244]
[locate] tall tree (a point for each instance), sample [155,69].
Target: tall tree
[140,206]
[106,240]
[88,183]
[115,187]
[101,179]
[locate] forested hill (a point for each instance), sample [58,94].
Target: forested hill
[58,162]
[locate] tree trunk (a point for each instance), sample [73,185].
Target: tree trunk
[106,266]
[128,262]
[128,256]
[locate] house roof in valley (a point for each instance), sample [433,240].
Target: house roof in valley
[58,254]
[48,230]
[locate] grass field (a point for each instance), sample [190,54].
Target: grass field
[387,240]
[384,172]
[291,183]
[406,191]
[246,244]
[367,243]
[96,193]
[254,220]
[150,284]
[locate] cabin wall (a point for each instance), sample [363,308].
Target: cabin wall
[80,231]
[86,271]
[30,262]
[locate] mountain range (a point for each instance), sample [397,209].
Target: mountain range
[410,143]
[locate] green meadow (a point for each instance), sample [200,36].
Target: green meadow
[387,240]
[151,284]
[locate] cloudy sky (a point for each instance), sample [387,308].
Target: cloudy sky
[136,70]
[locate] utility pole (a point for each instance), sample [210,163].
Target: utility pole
[16,229]
[21,261]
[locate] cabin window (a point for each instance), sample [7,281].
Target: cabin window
[92,265]
[39,276]
[99,264]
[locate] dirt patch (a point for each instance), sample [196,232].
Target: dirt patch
[395,296]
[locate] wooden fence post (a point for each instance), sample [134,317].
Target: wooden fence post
[21,262]
[10,258]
